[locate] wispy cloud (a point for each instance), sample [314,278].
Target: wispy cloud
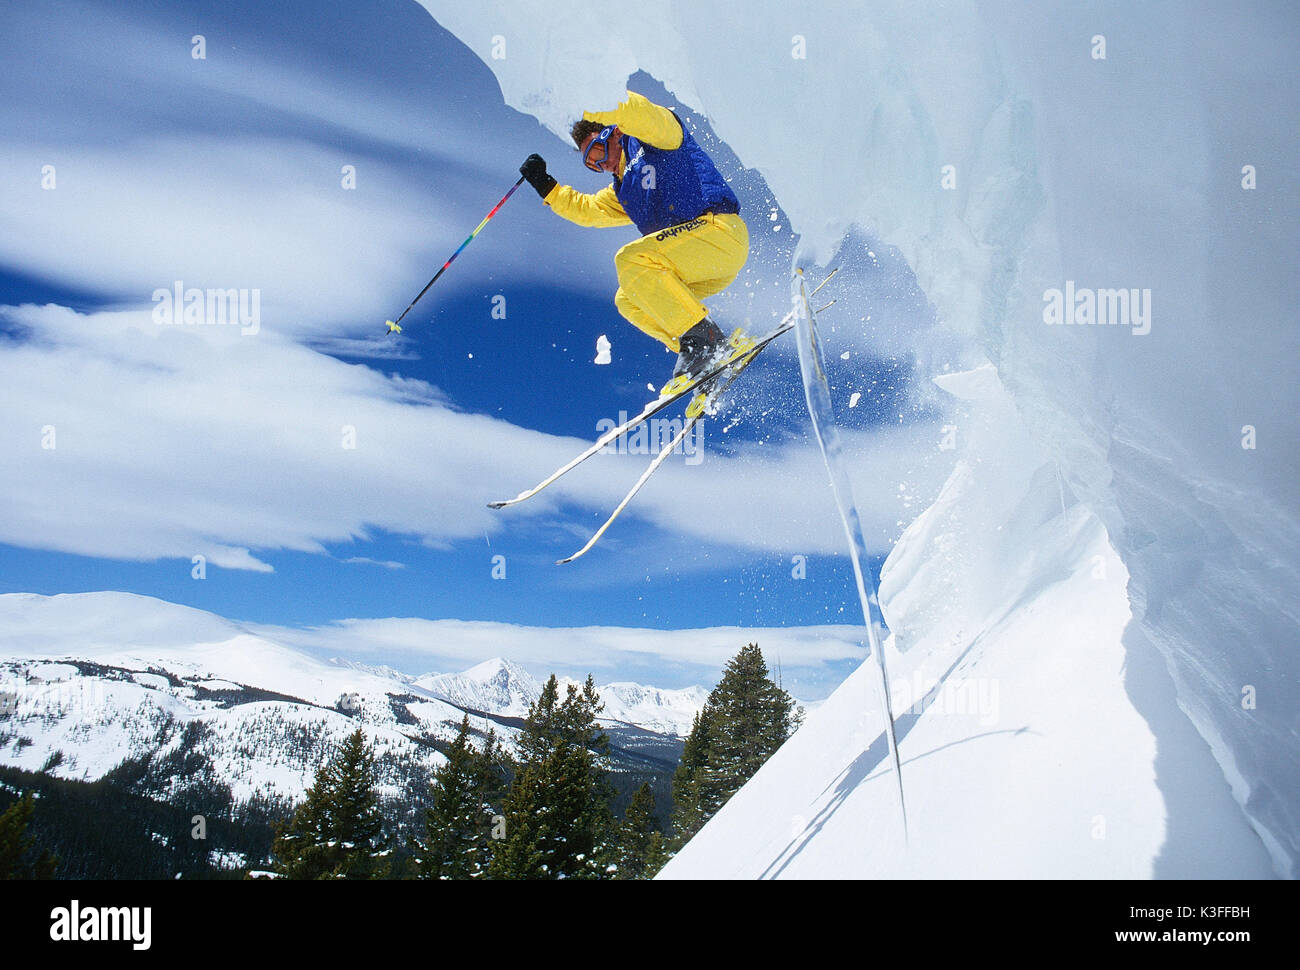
[182,441]
[814,657]
[175,441]
[367,561]
[219,212]
[365,348]
[232,171]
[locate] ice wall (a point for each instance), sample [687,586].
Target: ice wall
[1126,170]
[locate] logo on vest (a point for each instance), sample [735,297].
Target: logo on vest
[684,227]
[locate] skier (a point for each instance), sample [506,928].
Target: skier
[693,242]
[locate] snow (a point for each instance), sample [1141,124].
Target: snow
[35,624]
[227,860]
[1119,456]
[1024,753]
[135,699]
[95,724]
[603,348]
[215,684]
[379,670]
[498,686]
[494,686]
[52,671]
[267,727]
[652,708]
[96,720]
[1014,798]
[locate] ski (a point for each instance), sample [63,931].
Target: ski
[649,411]
[735,368]
[659,459]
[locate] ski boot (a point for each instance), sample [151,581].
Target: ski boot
[703,348]
[738,347]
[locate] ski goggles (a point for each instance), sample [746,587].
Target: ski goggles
[598,151]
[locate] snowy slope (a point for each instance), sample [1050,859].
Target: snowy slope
[1116,172]
[1030,734]
[82,724]
[99,677]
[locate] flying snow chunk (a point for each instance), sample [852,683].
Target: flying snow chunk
[845,355]
[603,348]
[853,400]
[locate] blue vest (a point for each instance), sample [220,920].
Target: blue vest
[686,184]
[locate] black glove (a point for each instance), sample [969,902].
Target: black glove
[534,170]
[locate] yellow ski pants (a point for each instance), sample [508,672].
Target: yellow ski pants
[662,277]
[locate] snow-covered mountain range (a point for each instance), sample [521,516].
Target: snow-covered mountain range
[89,679]
[498,686]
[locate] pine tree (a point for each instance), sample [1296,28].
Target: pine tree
[458,824]
[557,813]
[747,717]
[752,718]
[16,847]
[358,823]
[301,849]
[337,833]
[640,846]
[656,855]
[541,727]
[689,814]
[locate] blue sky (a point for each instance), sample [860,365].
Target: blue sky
[226,172]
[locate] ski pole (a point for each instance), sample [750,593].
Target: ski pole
[393,324]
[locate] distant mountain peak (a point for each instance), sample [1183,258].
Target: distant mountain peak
[498,670]
[379,670]
[496,686]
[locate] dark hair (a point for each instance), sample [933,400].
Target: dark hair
[583,129]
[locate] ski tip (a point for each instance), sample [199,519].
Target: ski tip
[497,505]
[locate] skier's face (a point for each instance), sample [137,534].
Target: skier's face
[611,159]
